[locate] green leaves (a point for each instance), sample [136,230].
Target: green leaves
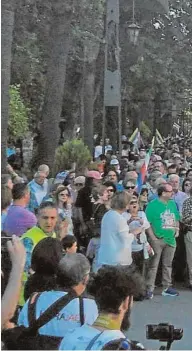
[18,114]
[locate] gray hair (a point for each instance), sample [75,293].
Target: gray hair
[159,181]
[120,200]
[173,176]
[44,169]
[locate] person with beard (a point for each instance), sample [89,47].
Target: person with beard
[114,303]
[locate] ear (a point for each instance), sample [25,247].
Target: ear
[125,304]
[85,279]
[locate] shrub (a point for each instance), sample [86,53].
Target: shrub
[18,114]
[72,151]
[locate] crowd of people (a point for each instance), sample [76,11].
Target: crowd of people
[87,242]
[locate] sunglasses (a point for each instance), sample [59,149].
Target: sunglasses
[78,184]
[130,187]
[64,194]
[110,190]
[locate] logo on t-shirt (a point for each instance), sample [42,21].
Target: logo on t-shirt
[168,220]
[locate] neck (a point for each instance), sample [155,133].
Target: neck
[120,211]
[78,289]
[20,202]
[163,200]
[109,321]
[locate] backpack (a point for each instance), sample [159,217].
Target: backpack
[116,344]
[28,338]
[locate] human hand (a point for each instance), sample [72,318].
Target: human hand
[9,169]
[16,251]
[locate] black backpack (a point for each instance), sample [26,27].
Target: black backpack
[22,338]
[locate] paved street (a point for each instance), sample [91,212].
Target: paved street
[176,311]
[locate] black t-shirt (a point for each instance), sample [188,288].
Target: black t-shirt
[98,212]
[84,201]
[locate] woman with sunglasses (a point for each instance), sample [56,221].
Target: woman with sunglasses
[111,189]
[129,186]
[63,202]
[186,186]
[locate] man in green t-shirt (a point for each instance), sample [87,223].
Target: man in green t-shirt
[164,217]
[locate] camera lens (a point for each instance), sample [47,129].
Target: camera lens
[177,334]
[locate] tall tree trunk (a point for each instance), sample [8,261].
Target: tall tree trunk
[89,92]
[7,24]
[60,39]
[90,56]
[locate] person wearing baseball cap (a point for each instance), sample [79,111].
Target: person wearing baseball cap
[72,278]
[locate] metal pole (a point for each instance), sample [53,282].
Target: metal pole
[119,106]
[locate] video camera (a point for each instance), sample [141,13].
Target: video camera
[164,332]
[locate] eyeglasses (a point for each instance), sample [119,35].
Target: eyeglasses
[130,187]
[64,194]
[78,184]
[110,190]
[187,184]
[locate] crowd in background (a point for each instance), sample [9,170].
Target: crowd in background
[101,213]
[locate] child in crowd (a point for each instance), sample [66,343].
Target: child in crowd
[69,243]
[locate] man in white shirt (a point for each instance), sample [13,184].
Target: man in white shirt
[116,241]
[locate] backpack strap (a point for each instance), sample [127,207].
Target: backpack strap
[91,343]
[81,310]
[52,311]
[32,308]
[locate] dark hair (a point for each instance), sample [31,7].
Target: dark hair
[6,197]
[59,190]
[163,163]
[102,157]
[183,185]
[109,296]
[112,169]
[47,204]
[108,184]
[68,241]
[161,189]
[4,178]
[189,170]
[181,170]
[135,194]
[97,191]
[46,256]
[19,190]
[144,190]
[172,166]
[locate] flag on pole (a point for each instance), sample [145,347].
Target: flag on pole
[134,135]
[135,139]
[159,137]
[144,168]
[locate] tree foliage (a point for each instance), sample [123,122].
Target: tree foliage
[72,151]
[18,124]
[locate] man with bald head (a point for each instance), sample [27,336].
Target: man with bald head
[37,191]
[178,196]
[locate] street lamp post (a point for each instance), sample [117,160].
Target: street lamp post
[112,74]
[112,70]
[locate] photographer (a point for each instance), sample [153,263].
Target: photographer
[113,288]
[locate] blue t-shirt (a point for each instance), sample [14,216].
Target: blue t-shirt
[80,338]
[68,318]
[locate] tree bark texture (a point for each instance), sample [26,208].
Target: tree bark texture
[89,91]
[60,39]
[7,24]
